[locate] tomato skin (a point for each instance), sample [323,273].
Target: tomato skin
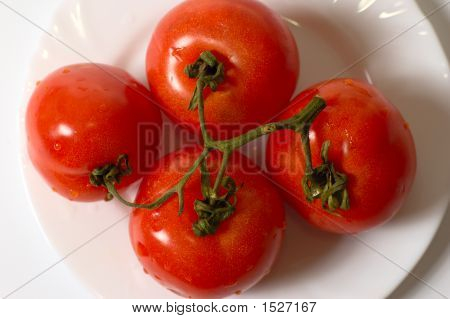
[237,256]
[370,142]
[84,116]
[258,51]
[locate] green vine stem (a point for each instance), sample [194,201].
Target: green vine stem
[209,73]
[109,175]
[219,201]
[297,123]
[218,181]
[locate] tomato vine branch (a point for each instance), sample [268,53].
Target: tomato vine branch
[104,177]
[219,201]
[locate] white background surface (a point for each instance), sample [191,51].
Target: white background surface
[24,250]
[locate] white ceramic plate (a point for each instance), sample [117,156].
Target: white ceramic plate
[410,69]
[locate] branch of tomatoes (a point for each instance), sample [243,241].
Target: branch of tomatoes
[322,182]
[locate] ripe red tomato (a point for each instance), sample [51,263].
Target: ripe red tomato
[258,51]
[233,259]
[84,116]
[370,142]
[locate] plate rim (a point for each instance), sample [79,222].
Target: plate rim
[23,155]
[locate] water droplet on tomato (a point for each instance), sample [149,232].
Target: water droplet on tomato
[348,81]
[249,268]
[155,222]
[175,52]
[57,146]
[167,267]
[231,284]
[74,194]
[141,250]
[357,87]
[345,148]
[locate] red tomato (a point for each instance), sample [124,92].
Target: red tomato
[258,51]
[370,142]
[84,116]
[233,259]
